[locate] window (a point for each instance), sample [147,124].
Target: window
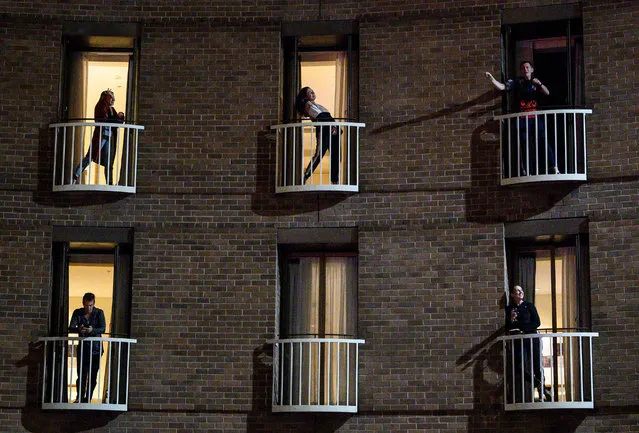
[319,295]
[97,57]
[323,56]
[553,270]
[552,38]
[99,261]
[317,350]
[549,260]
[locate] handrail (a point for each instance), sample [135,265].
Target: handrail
[315,374]
[543,145]
[86,373]
[79,166]
[552,370]
[317,156]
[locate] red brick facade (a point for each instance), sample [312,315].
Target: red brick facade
[429,215]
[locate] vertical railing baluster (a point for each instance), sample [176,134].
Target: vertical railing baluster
[290,373]
[45,376]
[319,378]
[64,151]
[574,134]
[348,373]
[584,145]
[329,358]
[357,157]
[54,371]
[128,373]
[348,155]
[339,372]
[581,369]
[281,150]
[63,386]
[299,368]
[592,374]
[552,368]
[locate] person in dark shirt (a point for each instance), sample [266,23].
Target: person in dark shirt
[522,318]
[87,321]
[531,128]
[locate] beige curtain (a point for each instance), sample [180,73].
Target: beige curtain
[341,84]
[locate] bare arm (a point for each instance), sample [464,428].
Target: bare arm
[499,85]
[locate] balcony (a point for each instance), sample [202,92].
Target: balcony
[566,365]
[61,371]
[315,375]
[302,165]
[73,140]
[560,142]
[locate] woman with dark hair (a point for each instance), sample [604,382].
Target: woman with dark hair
[327,135]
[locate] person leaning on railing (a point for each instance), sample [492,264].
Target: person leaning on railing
[87,321]
[104,140]
[306,106]
[522,318]
[526,90]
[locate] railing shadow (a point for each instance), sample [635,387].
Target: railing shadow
[487,201]
[36,420]
[261,419]
[265,202]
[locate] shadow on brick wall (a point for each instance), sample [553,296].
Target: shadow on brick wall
[261,420]
[36,420]
[265,202]
[489,202]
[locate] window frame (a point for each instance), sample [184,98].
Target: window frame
[116,38]
[317,36]
[122,253]
[530,21]
[525,237]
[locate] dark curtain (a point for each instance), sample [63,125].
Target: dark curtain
[526,269]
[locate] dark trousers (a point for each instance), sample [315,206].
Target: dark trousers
[532,129]
[107,156]
[527,352]
[88,365]
[328,140]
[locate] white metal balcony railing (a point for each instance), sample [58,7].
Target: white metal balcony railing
[315,375]
[562,361]
[303,165]
[61,372]
[546,145]
[73,143]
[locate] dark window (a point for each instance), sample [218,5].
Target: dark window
[555,46]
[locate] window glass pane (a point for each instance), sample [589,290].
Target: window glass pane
[90,273]
[319,296]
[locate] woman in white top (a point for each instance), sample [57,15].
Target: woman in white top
[306,106]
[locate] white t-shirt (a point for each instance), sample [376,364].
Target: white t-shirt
[315,109]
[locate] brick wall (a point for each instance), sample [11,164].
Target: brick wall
[429,215]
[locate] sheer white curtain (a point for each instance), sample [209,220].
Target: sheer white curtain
[303,297]
[321,301]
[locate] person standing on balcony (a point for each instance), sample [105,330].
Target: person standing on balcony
[522,318]
[306,106]
[527,89]
[104,141]
[87,321]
